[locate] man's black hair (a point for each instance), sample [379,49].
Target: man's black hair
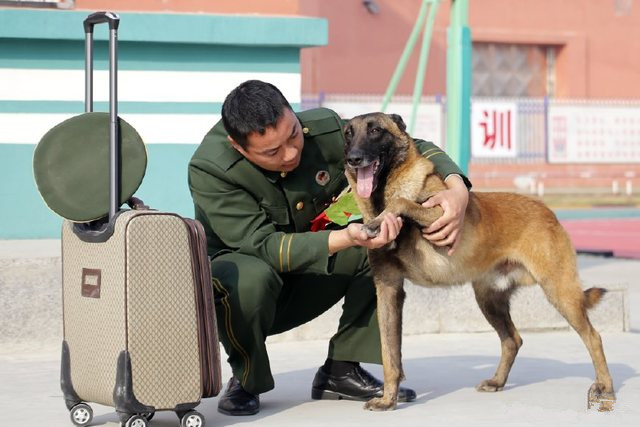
[252,107]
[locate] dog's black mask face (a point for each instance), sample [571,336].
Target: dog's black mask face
[371,143]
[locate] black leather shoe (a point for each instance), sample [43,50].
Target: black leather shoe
[238,401]
[357,384]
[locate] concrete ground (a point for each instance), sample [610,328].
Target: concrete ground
[548,383]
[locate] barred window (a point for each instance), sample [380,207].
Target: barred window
[513,70]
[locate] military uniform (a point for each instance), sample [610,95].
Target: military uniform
[270,273]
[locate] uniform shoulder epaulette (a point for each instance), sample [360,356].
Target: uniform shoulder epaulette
[319,121]
[216,149]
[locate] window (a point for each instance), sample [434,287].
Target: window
[513,70]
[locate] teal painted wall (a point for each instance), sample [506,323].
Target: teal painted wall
[230,30]
[167,170]
[69,54]
[219,46]
[24,214]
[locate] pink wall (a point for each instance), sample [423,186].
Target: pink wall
[598,55]
[364,48]
[268,7]
[598,46]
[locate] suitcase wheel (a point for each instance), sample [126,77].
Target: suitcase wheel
[148,415]
[192,419]
[137,421]
[81,414]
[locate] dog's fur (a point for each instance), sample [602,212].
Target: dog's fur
[507,240]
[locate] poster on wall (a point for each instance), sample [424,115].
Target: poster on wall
[493,129]
[428,121]
[594,134]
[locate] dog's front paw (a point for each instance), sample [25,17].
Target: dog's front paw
[489,386]
[372,228]
[380,404]
[597,395]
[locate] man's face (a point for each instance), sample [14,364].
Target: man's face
[279,149]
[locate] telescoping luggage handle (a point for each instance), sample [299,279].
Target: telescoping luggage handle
[114,149]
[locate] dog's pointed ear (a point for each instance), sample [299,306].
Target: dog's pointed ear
[398,121]
[346,129]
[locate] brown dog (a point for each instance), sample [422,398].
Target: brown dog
[507,240]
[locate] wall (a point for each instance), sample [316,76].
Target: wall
[598,44]
[271,7]
[175,70]
[364,48]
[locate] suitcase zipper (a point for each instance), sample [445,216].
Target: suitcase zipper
[206,312]
[213,359]
[200,310]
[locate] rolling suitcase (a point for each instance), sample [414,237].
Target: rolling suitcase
[138,316]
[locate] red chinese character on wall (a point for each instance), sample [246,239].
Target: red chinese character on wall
[496,128]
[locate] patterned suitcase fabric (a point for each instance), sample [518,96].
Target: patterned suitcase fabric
[138,309]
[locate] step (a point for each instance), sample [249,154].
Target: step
[454,309]
[31,303]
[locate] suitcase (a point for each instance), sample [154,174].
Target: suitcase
[139,324]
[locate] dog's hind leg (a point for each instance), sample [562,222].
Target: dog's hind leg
[567,296]
[390,295]
[494,304]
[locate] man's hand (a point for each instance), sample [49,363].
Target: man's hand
[389,230]
[354,235]
[447,229]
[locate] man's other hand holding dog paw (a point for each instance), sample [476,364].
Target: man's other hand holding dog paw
[355,235]
[447,229]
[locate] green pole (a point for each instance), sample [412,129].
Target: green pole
[422,64]
[459,85]
[404,58]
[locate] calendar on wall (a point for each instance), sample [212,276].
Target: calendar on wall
[594,134]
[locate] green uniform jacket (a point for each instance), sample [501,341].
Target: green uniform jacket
[256,212]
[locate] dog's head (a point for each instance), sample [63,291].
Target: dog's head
[374,144]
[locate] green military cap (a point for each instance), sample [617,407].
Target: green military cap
[71,166]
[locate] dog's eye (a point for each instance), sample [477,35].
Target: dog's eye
[376,130]
[347,132]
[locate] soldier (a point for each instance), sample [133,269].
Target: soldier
[257,180]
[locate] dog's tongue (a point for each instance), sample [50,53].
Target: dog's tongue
[365,181]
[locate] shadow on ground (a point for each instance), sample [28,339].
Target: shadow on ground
[431,377]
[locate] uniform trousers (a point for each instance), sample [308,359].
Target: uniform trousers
[254,301]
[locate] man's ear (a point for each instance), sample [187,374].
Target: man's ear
[398,121]
[237,146]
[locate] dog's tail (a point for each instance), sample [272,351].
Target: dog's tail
[592,296]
